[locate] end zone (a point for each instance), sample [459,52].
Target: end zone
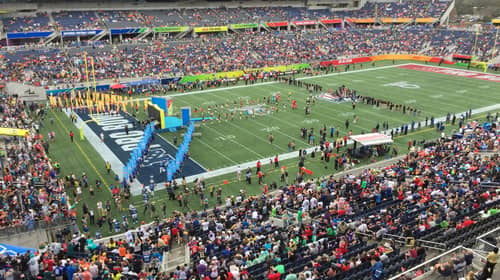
[120,143]
[452,72]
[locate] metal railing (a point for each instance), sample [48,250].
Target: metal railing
[164,262]
[427,265]
[488,241]
[404,240]
[59,222]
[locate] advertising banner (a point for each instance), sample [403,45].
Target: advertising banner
[331,21]
[361,20]
[277,24]
[395,20]
[281,68]
[27,35]
[13,131]
[461,56]
[244,25]
[346,61]
[54,92]
[426,20]
[128,31]
[211,29]
[167,81]
[207,77]
[165,29]
[305,22]
[76,33]
[403,20]
[10,250]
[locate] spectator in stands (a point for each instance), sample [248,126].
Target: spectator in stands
[491,261]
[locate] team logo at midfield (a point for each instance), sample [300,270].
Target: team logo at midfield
[252,109]
[403,84]
[332,98]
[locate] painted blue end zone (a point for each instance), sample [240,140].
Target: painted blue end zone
[121,144]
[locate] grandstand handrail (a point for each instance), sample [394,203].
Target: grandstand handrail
[402,239]
[164,262]
[488,233]
[427,262]
[18,229]
[431,242]
[116,236]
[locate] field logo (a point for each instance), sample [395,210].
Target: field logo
[347,114]
[310,121]
[332,98]
[156,156]
[259,110]
[403,84]
[270,128]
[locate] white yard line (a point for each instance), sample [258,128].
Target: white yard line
[294,154]
[237,143]
[216,151]
[245,131]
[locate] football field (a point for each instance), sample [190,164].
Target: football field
[230,142]
[226,144]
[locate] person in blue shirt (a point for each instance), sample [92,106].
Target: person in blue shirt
[377,269]
[70,269]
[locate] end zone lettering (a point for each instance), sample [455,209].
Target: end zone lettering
[453,72]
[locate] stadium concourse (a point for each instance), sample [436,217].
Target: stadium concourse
[431,213]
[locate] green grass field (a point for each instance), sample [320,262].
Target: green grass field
[227,143]
[232,142]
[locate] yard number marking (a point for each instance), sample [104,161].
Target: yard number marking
[403,84]
[228,137]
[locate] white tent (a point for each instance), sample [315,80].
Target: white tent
[371,139]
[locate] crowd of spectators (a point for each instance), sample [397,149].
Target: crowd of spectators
[399,9]
[124,19]
[77,20]
[215,16]
[39,22]
[325,223]
[236,51]
[446,41]
[31,195]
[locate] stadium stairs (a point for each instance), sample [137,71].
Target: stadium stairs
[446,15]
